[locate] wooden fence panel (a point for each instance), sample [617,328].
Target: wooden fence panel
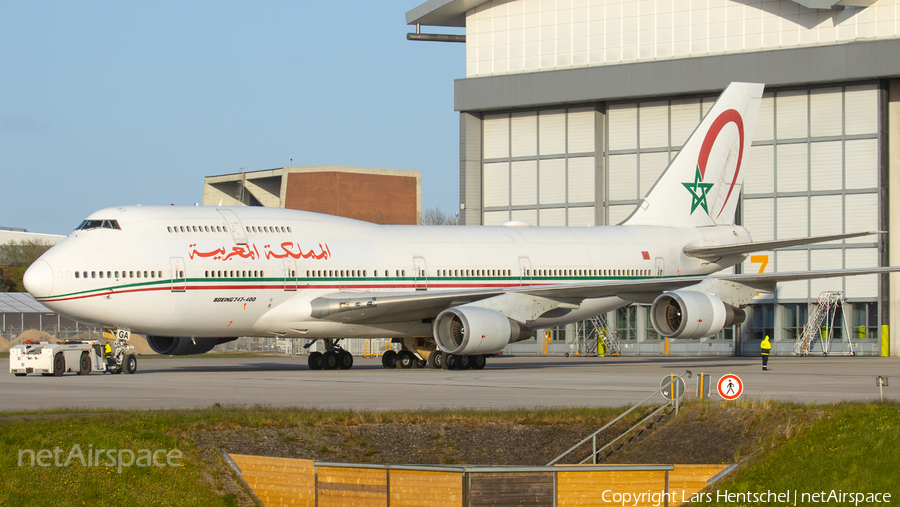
[352,487]
[579,488]
[279,482]
[501,489]
[412,488]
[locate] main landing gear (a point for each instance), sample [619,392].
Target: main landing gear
[436,360]
[334,357]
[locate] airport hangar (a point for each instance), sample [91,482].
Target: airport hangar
[570,109]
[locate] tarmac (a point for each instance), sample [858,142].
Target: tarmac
[506,382]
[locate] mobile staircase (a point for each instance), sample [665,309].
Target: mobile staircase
[589,337]
[820,324]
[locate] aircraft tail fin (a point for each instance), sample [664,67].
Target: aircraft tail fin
[702,184]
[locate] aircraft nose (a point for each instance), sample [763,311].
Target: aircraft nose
[38,279]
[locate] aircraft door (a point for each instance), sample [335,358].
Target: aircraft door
[179,281]
[234,226]
[420,272]
[524,271]
[660,266]
[290,274]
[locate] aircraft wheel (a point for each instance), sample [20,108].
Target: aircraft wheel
[463,362]
[329,360]
[434,359]
[478,362]
[315,361]
[345,360]
[389,359]
[419,363]
[405,359]
[129,366]
[449,361]
[84,364]
[59,364]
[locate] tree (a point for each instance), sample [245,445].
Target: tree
[434,216]
[15,257]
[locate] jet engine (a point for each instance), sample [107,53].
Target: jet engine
[467,330]
[181,346]
[692,314]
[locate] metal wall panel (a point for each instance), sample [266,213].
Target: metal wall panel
[791,116]
[552,132]
[496,184]
[553,217]
[652,166]
[861,286]
[792,260]
[653,119]
[791,160]
[496,136]
[581,217]
[553,181]
[495,217]
[792,221]
[826,259]
[581,180]
[619,213]
[861,163]
[862,109]
[765,120]
[826,215]
[581,130]
[622,126]
[524,183]
[861,214]
[524,134]
[622,177]
[525,215]
[759,218]
[826,165]
[685,116]
[759,175]
[826,112]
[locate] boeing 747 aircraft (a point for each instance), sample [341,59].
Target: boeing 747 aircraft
[192,277]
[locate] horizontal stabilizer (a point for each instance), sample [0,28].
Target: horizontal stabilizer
[719,251]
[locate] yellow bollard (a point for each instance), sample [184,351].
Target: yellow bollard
[667,346]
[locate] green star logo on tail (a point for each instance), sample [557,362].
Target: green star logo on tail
[698,191]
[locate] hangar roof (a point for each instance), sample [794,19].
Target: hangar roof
[21,302]
[453,12]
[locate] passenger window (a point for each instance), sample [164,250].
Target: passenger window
[364,272]
[403,272]
[170,228]
[289,229]
[182,228]
[101,274]
[261,274]
[76,274]
[117,274]
[159,274]
[138,274]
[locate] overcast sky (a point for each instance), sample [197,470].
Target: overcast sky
[116,103]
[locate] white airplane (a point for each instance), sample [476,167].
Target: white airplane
[192,277]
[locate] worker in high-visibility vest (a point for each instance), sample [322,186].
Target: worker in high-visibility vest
[765,347]
[107,353]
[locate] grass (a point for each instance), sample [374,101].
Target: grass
[194,482]
[846,446]
[852,447]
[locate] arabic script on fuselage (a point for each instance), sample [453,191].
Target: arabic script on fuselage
[250,251]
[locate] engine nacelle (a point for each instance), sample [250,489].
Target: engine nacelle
[467,330]
[692,314]
[181,346]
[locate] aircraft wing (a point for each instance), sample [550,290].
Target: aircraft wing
[381,307]
[719,251]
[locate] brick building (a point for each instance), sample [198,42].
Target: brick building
[382,196]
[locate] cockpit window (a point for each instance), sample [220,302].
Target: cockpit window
[98,224]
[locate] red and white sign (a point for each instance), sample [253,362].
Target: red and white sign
[730,387]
